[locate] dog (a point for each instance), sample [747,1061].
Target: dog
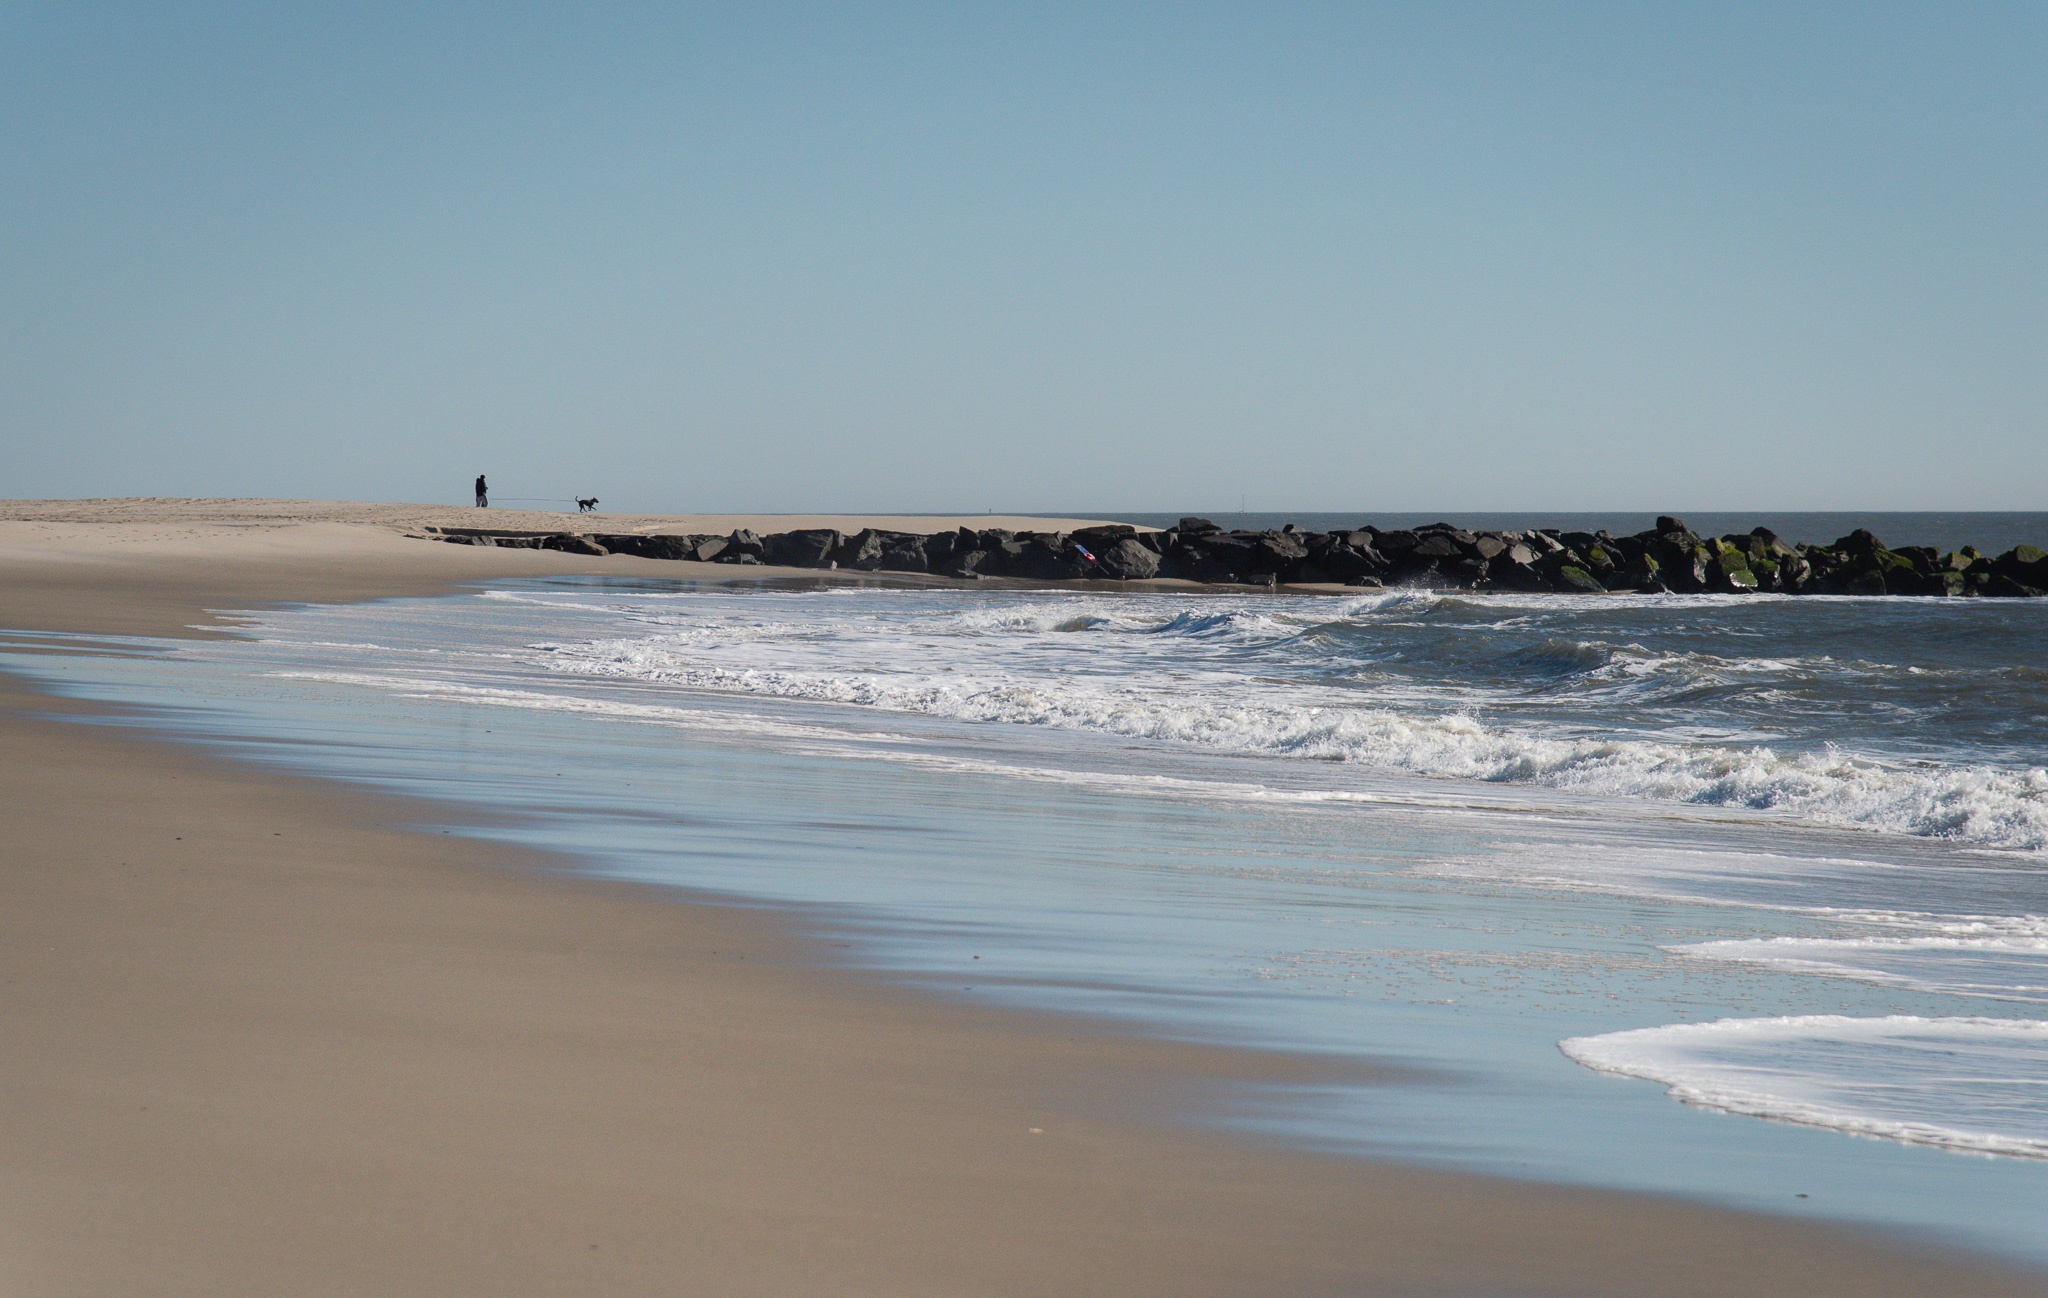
[586,504]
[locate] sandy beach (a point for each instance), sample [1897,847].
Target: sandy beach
[269,1035]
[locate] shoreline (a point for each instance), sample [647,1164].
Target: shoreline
[383,1057]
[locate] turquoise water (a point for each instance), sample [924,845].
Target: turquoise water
[1242,892]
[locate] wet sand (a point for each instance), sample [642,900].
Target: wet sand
[272,1035]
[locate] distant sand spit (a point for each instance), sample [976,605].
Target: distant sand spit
[253,512]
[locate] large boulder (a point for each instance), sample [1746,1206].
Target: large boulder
[1577,581]
[862,551]
[1128,560]
[1044,558]
[1344,562]
[1238,552]
[1728,570]
[645,547]
[966,564]
[1196,562]
[939,547]
[2003,587]
[905,554]
[743,542]
[1860,581]
[2023,565]
[810,547]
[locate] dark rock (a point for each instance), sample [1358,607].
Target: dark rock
[964,563]
[1101,538]
[1347,562]
[2023,565]
[628,543]
[1440,554]
[1195,563]
[906,554]
[1578,581]
[2003,587]
[1236,550]
[1129,560]
[939,546]
[1729,574]
[811,547]
[1042,558]
[861,552]
[568,543]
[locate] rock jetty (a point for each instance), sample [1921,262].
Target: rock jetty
[1669,558]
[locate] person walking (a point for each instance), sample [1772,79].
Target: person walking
[483,493]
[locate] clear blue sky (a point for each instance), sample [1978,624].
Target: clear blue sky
[1426,256]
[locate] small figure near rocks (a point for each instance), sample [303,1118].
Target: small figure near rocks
[483,493]
[585,504]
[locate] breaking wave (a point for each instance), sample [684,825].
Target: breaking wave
[1499,695]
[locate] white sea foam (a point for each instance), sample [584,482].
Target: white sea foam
[1232,679]
[1998,957]
[1978,1085]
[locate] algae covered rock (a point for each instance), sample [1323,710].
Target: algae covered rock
[1578,581]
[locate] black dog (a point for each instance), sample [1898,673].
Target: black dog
[586,505]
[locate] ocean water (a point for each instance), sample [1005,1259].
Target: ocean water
[1733,897]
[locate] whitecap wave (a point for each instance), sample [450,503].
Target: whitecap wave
[1097,679]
